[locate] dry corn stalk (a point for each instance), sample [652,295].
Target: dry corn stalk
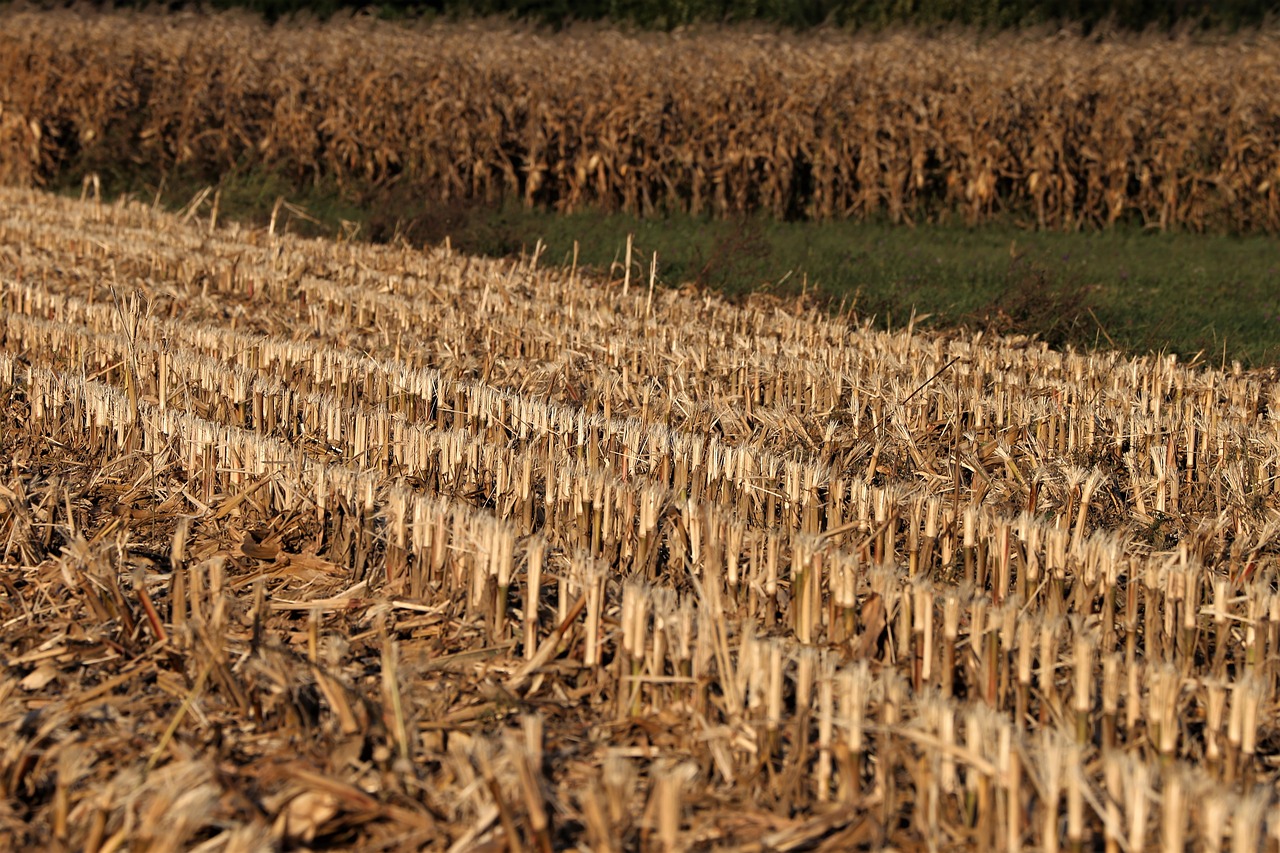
[726,562]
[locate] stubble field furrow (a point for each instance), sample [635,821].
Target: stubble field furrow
[271,576]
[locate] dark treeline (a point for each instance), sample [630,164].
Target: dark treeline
[800,14]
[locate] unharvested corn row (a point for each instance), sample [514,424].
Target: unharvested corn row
[1058,131]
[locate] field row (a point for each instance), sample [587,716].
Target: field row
[338,544]
[1059,131]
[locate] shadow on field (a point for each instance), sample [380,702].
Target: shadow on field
[1047,305]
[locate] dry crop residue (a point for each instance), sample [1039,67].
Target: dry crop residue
[341,546]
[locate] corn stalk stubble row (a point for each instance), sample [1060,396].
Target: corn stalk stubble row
[683,573]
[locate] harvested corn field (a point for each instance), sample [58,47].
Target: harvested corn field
[311,544]
[1051,130]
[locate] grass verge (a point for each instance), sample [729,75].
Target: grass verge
[1211,297]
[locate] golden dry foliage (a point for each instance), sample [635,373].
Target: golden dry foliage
[342,546]
[1060,131]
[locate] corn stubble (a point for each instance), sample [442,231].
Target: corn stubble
[336,545]
[1058,131]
